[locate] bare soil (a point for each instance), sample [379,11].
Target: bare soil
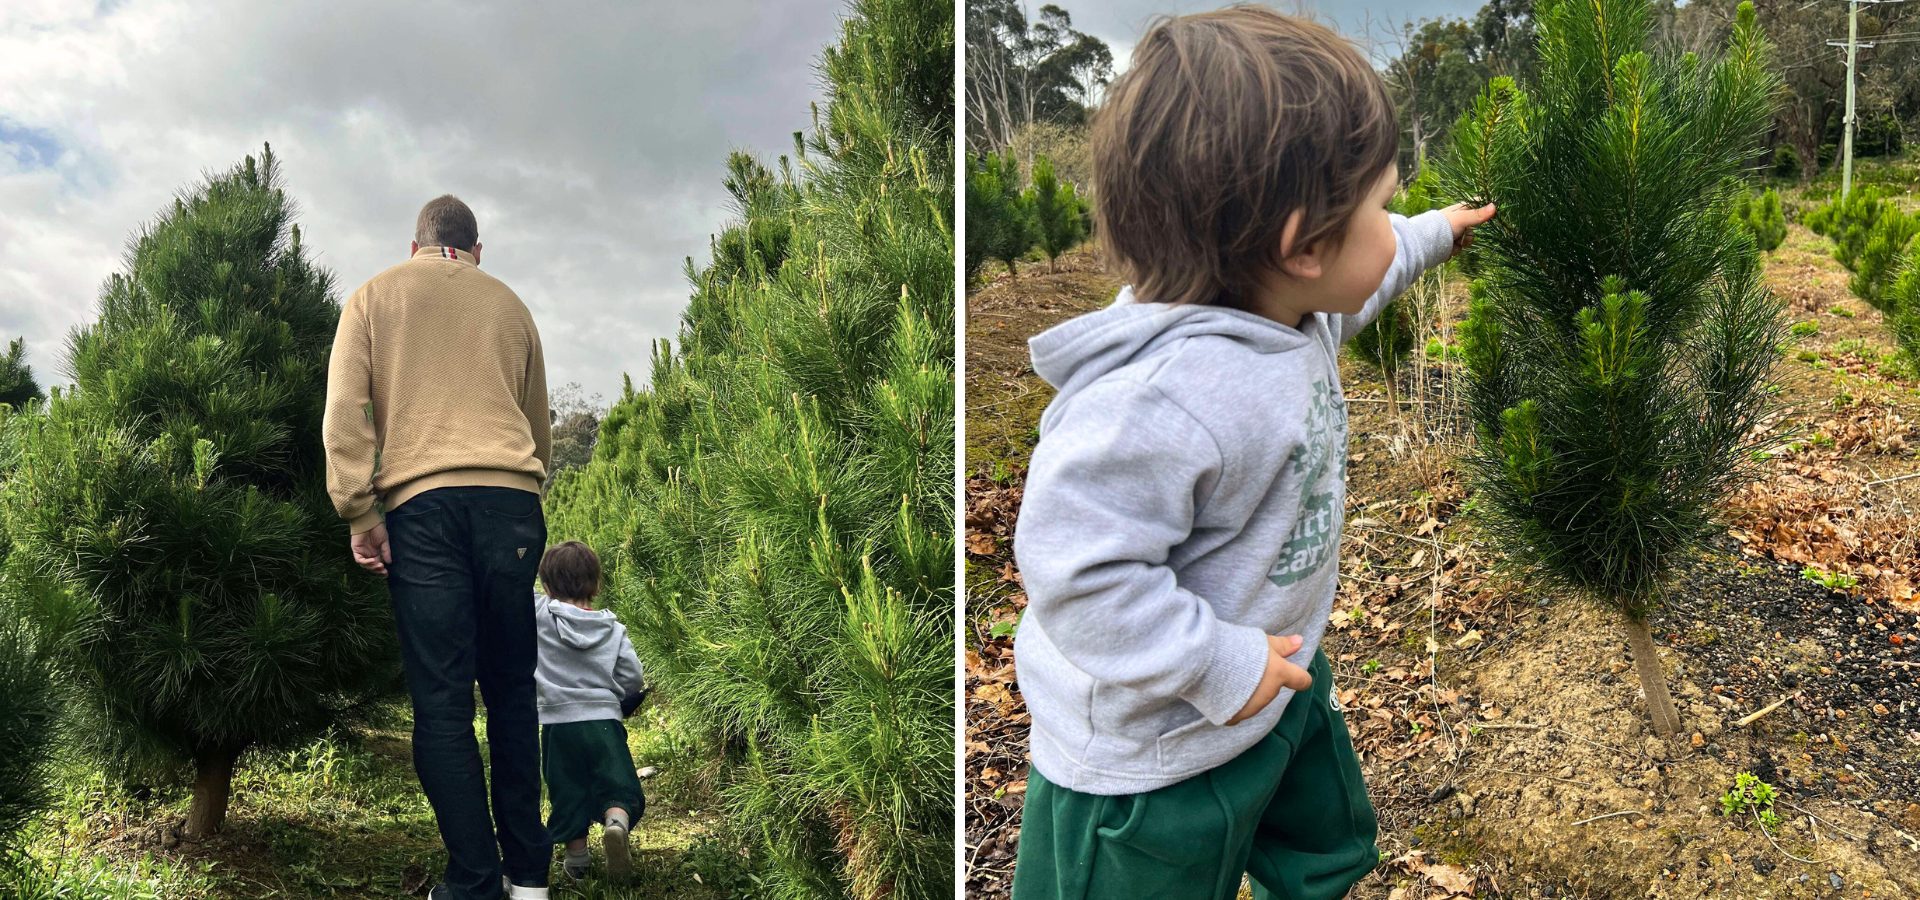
[1501,728]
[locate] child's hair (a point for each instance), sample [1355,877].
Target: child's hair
[1224,123]
[570,571]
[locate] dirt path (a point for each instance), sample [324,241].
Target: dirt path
[1501,730]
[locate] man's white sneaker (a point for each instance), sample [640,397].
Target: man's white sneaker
[517,892]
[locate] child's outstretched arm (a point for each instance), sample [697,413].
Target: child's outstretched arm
[1110,492]
[1425,241]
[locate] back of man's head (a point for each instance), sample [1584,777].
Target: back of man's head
[446,222]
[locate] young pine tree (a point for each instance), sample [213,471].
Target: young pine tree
[172,533]
[1762,216]
[1886,243]
[1619,337]
[17,385]
[1903,307]
[775,508]
[1059,217]
[29,710]
[1000,222]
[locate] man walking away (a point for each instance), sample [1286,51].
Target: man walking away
[436,435]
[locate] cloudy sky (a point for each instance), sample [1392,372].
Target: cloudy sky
[589,136]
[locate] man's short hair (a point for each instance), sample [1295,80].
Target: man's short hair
[570,571]
[1223,125]
[446,222]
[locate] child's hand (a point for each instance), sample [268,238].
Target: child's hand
[1280,673]
[1463,218]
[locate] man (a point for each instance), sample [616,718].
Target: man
[437,444]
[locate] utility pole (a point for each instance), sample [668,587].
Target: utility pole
[1853,45]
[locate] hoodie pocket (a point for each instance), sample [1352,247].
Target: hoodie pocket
[1195,746]
[1059,695]
[1168,745]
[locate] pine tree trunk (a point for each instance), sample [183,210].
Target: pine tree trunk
[212,785]
[1653,679]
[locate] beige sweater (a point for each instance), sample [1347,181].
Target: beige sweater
[436,380]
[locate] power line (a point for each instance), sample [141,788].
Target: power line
[1853,48]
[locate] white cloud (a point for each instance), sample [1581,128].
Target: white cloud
[590,138]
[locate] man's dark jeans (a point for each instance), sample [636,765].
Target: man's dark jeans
[464,560]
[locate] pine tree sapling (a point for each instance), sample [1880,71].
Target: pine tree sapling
[29,710]
[1868,232]
[1886,241]
[1903,306]
[172,534]
[1619,338]
[1762,216]
[1059,217]
[17,385]
[1000,224]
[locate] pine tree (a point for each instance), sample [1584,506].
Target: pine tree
[17,385]
[775,506]
[172,533]
[1869,232]
[29,711]
[1885,244]
[1000,223]
[1761,215]
[1619,336]
[1059,216]
[1903,307]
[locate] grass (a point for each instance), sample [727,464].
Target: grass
[1900,174]
[344,817]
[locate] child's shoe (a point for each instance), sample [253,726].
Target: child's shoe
[619,864]
[575,865]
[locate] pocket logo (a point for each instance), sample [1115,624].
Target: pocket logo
[520,553]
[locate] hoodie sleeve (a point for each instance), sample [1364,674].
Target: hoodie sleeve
[1112,489]
[626,667]
[1424,241]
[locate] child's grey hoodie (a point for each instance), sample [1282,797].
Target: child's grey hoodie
[1185,501]
[586,662]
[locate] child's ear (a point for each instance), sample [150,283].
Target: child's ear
[1298,262]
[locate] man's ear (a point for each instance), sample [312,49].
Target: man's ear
[476,253]
[413,247]
[1298,262]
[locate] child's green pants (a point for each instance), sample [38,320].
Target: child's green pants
[1291,812]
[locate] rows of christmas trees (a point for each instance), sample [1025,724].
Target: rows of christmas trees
[775,507]
[1005,222]
[1880,244]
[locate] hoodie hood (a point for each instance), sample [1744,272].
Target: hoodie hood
[581,629]
[1081,350]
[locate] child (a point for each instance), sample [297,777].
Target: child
[1183,508]
[587,672]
